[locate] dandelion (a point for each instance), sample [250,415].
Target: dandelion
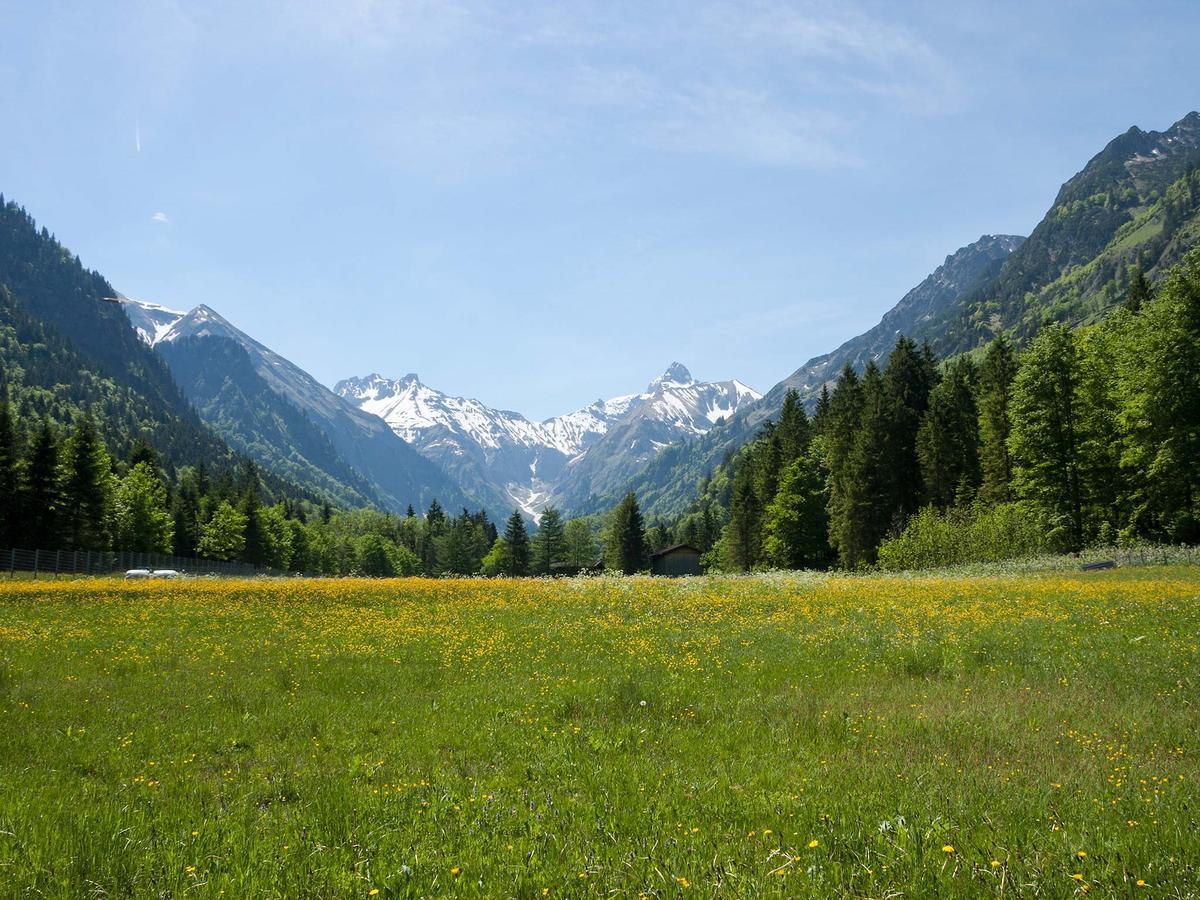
[947,848]
[814,844]
[1078,876]
[995,863]
[372,892]
[1141,882]
[1082,854]
[456,871]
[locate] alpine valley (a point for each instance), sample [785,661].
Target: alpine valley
[357,442]
[200,390]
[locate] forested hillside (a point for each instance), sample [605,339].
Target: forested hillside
[1087,436]
[65,348]
[1128,216]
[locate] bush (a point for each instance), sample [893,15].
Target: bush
[935,539]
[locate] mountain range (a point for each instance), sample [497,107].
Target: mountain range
[200,389]
[504,458]
[1136,203]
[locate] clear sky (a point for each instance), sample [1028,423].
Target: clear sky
[541,203]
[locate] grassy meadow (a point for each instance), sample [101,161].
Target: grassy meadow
[1009,735]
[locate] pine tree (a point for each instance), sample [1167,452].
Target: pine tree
[948,438]
[868,506]
[143,452]
[254,548]
[9,471]
[793,429]
[907,382]
[86,488]
[41,498]
[1045,433]
[821,414]
[550,543]
[516,539]
[994,392]
[740,541]
[1160,416]
[841,422]
[185,514]
[627,551]
[1139,289]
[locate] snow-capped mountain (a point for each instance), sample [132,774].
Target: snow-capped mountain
[273,411]
[150,321]
[504,455]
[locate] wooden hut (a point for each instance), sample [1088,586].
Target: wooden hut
[682,559]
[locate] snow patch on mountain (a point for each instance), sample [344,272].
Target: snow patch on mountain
[151,321]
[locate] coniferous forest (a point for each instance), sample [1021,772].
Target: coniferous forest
[1084,437]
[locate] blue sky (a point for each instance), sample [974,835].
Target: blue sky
[538,204]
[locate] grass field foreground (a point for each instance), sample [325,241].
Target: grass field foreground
[1020,735]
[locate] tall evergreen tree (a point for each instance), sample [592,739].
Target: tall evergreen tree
[868,507]
[840,425]
[1160,416]
[909,378]
[516,539]
[86,488]
[255,549]
[1138,292]
[41,497]
[994,399]
[1045,434]
[948,438]
[741,539]
[9,471]
[793,429]
[627,551]
[550,543]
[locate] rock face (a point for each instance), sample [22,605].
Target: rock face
[509,459]
[271,409]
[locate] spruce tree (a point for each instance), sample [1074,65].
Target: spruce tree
[948,438]
[549,544]
[516,539]
[740,542]
[1138,292]
[255,545]
[994,392]
[627,551]
[793,430]
[907,382]
[1044,442]
[86,488]
[1160,415]
[9,471]
[868,508]
[840,426]
[41,499]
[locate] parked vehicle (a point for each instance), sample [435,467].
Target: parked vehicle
[138,573]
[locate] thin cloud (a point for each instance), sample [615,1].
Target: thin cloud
[161,217]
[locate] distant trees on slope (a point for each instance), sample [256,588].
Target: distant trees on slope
[1088,436]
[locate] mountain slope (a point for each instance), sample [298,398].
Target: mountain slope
[279,414]
[67,348]
[667,483]
[510,459]
[1134,201]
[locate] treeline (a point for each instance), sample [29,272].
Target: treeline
[63,489]
[1087,437]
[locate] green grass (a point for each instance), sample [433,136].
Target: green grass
[760,736]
